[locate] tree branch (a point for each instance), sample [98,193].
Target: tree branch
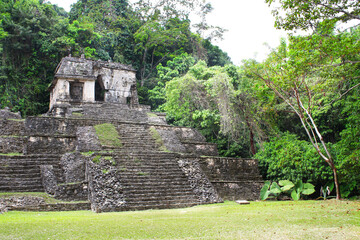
[340,10]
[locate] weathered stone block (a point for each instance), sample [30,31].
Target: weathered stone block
[105,188]
[72,192]
[87,140]
[170,140]
[7,114]
[12,144]
[73,165]
[198,181]
[50,145]
[49,180]
[248,190]
[12,127]
[201,148]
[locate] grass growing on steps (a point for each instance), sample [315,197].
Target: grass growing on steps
[158,140]
[12,154]
[150,114]
[108,135]
[259,220]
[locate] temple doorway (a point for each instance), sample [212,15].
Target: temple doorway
[99,90]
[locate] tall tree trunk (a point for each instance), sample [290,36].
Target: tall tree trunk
[252,142]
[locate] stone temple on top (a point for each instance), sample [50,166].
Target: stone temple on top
[98,145]
[80,80]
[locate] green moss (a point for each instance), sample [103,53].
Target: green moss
[12,136]
[142,173]
[123,169]
[16,120]
[159,142]
[12,154]
[71,183]
[105,171]
[137,160]
[150,114]
[108,135]
[87,154]
[96,159]
[111,159]
[77,114]
[108,151]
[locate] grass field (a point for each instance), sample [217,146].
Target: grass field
[259,220]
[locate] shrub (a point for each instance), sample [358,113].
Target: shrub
[287,157]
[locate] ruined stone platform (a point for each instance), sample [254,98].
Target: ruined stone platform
[156,165]
[98,144]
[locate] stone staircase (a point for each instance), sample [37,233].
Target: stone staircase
[22,173]
[136,138]
[153,180]
[119,112]
[149,177]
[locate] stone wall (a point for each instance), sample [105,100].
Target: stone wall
[12,144]
[50,145]
[11,127]
[105,188]
[233,178]
[186,140]
[199,182]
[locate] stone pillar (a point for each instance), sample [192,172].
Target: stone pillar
[89,91]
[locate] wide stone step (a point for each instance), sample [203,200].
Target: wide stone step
[143,189]
[162,206]
[155,206]
[157,193]
[152,178]
[158,202]
[6,176]
[154,184]
[27,164]
[27,188]
[23,169]
[54,207]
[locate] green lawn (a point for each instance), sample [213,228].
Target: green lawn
[259,220]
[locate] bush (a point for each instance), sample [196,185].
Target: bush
[287,157]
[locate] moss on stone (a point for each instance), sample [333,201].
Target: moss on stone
[158,140]
[108,135]
[12,154]
[96,159]
[110,159]
[76,114]
[87,154]
[16,120]
[150,114]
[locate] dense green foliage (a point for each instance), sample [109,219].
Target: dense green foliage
[296,190]
[287,157]
[35,35]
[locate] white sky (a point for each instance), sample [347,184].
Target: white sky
[249,24]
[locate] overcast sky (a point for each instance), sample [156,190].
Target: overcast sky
[249,24]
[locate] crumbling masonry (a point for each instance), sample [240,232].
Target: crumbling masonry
[97,144]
